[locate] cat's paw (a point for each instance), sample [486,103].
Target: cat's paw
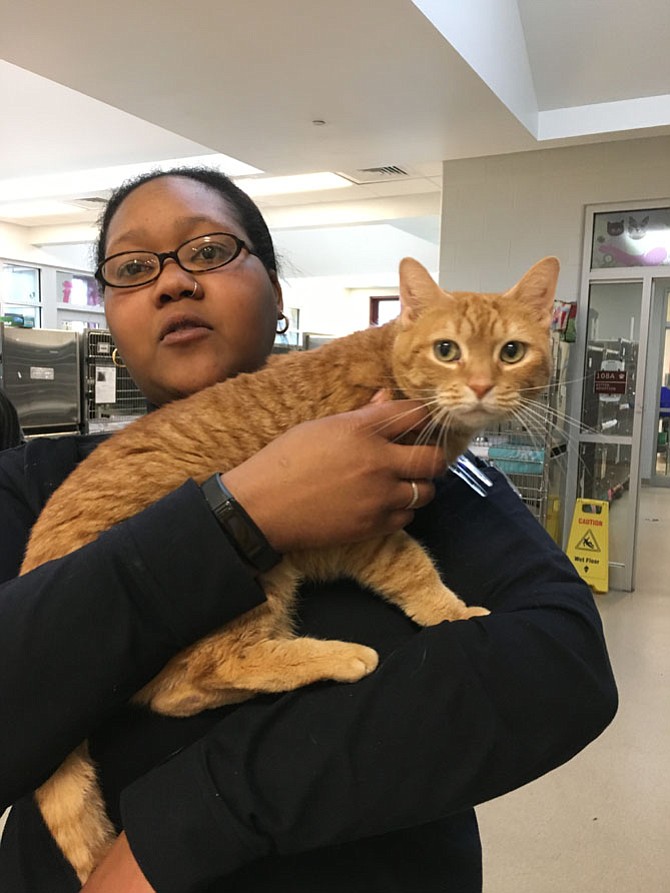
[350,662]
[448,607]
[472,611]
[436,606]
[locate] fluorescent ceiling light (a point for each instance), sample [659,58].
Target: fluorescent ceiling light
[265,186]
[78,183]
[40,208]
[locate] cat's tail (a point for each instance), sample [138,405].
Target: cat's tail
[74,812]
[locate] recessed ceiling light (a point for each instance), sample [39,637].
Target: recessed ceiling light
[77,183]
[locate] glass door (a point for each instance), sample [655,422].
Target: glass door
[608,468]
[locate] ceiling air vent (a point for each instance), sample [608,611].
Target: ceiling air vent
[89,203]
[382,174]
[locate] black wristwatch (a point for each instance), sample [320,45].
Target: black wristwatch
[245,536]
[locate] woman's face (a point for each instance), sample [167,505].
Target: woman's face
[172,342]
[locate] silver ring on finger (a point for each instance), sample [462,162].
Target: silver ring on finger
[415,496]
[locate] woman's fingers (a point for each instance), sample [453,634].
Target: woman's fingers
[395,419]
[338,479]
[416,492]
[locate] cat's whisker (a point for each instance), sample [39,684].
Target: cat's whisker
[530,426]
[535,389]
[382,426]
[533,416]
[537,436]
[564,381]
[562,417]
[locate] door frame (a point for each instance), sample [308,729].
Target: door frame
[660,296]
[622,575]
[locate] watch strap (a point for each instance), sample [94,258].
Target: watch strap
[246,537]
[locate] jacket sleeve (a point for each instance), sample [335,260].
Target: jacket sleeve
[80,634]
[455,715]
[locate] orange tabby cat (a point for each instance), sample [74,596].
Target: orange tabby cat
[468,357]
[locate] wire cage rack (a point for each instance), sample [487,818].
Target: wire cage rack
[534,460]
[111,397]
[533,454]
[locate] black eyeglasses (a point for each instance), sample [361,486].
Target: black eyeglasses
[130,269]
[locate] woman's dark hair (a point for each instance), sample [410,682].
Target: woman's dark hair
[248,215]
[11,434]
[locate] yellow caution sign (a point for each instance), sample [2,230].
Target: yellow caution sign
[588,545]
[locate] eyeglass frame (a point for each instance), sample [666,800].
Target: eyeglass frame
[164,255]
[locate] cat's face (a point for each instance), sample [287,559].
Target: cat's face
[473,357]
[637,229]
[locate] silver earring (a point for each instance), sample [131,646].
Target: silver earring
[283,328]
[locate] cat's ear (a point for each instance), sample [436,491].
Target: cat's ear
[417,290]
[537,288]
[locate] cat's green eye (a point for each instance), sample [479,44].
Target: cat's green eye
[512,352]
[447,351]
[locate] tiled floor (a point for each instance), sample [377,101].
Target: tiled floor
[600,824]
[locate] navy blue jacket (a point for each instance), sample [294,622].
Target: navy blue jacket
[365,788]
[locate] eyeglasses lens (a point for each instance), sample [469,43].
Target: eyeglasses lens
[135,268]
[207,252]
[131,268]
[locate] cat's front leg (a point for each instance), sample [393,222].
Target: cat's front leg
[400,569]
[255,653]
[224,669]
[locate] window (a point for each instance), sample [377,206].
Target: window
[20,297]
[77,290]
[631,239]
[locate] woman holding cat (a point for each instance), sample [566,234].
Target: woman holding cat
[358,787]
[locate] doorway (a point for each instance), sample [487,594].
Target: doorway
[656,434]
[621,362]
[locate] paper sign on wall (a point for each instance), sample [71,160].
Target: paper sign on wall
[105,384]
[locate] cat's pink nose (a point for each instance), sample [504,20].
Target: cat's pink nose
[480,388]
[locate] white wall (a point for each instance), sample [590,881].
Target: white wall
[16,245]
[502,213]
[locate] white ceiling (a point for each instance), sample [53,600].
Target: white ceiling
[85,85]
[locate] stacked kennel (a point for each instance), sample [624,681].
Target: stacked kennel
[111,397]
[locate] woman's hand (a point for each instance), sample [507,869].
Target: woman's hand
[339,479]
[118,872]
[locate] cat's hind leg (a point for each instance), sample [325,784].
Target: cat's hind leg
[74,811]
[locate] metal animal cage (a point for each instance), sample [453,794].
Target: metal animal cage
[111,397]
